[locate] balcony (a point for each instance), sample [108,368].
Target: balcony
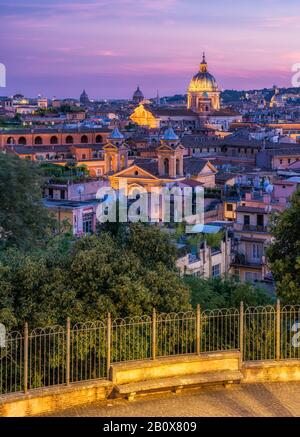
[251,228]
[241,259]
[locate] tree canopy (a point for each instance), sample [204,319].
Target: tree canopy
[85,279]
[24,221]
[224,293]
[284,251]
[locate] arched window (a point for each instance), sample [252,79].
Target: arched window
[38,140]
[22,141]
[110,163]
[10,140]
[99,139]
[122,162]
[177,167]
[84,139]
[69,139]
[166,166]
[54,140]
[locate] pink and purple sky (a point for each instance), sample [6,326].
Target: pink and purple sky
[58,47]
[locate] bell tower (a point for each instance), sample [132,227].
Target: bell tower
[115,152]
[170,155]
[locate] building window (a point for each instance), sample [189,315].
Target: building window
[260,220]
[54,140]
[22,141]
[246,220]
[87,223]
[229,207]
[280,161]
[252,276]
[166,166]
[50,195]
[99,139]
[84,139]
[237,274]
[83,156]
[62,194]
[256,251]
[177,167]
[69,139]
[216,270]
[10,140]
[38,140]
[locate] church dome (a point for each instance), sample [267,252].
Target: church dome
[116,135]
[170,135]
[138,94]
[203,81]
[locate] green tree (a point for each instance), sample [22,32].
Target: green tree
[224,293]
[86,278]
[284,252]
[23,218]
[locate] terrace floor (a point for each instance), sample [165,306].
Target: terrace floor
[269,399]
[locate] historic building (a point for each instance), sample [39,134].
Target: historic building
[54,136]
[169,167]
[115,152]
[203,107]
[84,99]
[138,96]
[203,93]
[144,116]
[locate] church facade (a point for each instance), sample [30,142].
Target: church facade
[168,168]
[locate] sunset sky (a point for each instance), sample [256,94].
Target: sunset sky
[59,47]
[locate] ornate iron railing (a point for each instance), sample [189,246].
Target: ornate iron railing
[59,355]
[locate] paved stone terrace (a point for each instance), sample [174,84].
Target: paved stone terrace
[271,399]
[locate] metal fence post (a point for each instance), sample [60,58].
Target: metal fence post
[198,328]
[26,357]
[242,331]
[154,334]
[278,329]
[68,355]
[108,345]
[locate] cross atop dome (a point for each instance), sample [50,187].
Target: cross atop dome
[203,65]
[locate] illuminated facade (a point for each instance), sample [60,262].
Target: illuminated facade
[170,167]
[115,152]
[144,117]
[203,92]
